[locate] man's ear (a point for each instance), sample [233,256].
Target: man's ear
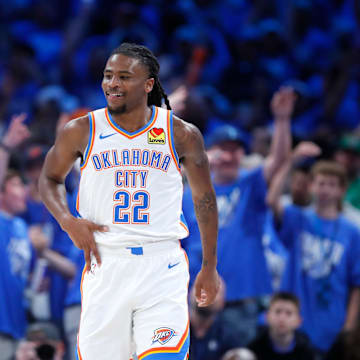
[149,85]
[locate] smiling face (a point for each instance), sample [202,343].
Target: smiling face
[126,83]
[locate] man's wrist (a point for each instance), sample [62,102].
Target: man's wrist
[209,264]
[66,221]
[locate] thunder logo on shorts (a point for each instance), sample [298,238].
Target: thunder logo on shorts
[163,335]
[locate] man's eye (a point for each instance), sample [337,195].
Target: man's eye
[123,77]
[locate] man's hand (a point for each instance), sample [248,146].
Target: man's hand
[17,132]
[283,103]
[304,150]
[207,285]
[81,232]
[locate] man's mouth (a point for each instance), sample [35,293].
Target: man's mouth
[115,94]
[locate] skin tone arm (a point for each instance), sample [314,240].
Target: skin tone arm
[14,136]
[303,150]
[190,148]
[352,315]
[55,260]
[282,106]
[69,145]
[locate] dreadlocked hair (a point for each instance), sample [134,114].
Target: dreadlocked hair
[148,59]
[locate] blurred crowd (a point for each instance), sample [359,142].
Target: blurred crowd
[274,86]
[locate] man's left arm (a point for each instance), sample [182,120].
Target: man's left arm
[190,148]
[282,106]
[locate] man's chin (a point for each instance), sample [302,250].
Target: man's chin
[117,110]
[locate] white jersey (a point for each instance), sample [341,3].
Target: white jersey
[131,182]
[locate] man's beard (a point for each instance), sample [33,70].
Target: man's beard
[117,111]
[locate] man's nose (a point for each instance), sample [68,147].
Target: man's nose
[114,81]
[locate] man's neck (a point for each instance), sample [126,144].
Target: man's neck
[282,342]
[329,211]
[133,120]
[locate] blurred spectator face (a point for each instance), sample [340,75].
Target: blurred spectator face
[13,196]
[225,160]
[125,83]
[34,161]
[261,142]
[327,189]
[300,188]
[283,317]
[350,160]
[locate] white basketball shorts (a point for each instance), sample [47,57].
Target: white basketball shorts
[136,303]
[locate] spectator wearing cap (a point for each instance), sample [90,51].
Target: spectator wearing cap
[43,342]
[241,205]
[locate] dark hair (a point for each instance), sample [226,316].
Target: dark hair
[285,296]
[148,59]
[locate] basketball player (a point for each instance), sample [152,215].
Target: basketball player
[134,288]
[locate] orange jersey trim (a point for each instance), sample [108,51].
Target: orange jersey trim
[170,137]
[91,141]
[81,291]
[185,227]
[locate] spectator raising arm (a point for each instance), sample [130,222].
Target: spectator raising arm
[282,106]
[14,136]
[303,150]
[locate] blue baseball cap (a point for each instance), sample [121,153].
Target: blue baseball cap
[227,133]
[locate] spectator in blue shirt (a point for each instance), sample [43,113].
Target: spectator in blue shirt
[242,210]
[324,250]
[15,253]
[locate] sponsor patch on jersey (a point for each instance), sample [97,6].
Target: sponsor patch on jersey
[156,136]
[163,335]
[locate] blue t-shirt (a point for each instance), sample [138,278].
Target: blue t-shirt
[15,254]
[241,260]
[323,266]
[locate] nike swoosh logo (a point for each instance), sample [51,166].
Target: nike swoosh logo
[101,137]
[170,266]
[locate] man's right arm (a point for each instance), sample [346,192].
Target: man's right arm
[70,144]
